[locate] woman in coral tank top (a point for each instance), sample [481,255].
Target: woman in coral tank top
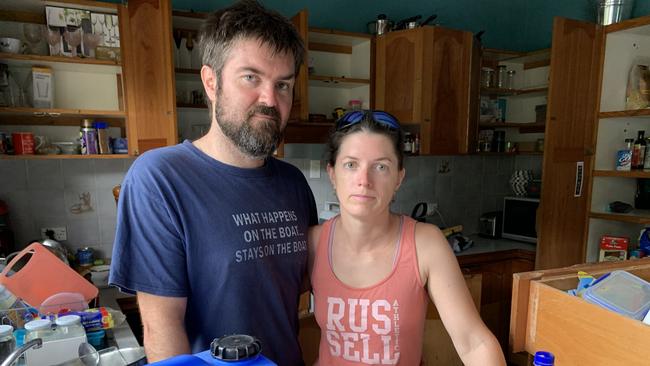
[373,271]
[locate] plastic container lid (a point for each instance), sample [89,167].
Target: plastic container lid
[235,347]
[6,330]
[38,324]
[100,125]
[623,293]
[543,358]
[68,320]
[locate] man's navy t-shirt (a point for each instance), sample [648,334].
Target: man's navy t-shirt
[231,240]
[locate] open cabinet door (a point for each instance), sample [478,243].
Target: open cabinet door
[149,75]
[300,108]
[569,142]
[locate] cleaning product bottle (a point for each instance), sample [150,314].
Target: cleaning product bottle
[233,350]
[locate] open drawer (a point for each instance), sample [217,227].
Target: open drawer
[545,317]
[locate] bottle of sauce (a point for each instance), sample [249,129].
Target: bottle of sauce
[638,151]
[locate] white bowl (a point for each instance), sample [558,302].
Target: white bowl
[68,147]
[11,45]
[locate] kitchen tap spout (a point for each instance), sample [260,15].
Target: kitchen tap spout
[13,356]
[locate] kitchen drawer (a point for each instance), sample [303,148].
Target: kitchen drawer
[545,317]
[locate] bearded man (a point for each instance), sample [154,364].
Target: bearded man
[211,234]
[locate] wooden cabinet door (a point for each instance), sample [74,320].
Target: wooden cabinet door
[446,98]
[300,108]
[571,119]
[399,74]
[149,75]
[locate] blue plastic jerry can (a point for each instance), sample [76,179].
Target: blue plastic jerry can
[233,350]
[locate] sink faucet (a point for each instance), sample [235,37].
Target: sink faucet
[13,356]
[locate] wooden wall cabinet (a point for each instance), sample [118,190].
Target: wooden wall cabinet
[148,71]
[82,87]
[423,77]
[569,142]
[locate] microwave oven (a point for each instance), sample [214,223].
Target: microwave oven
[519,218]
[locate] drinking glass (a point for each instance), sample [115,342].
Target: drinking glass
[53,37]
[74,40]
[91,41]
[33,34]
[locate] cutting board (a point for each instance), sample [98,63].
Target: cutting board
[43,276]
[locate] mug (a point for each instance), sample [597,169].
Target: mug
[23,143]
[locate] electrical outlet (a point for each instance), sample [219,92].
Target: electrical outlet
[58,233]
[431,208]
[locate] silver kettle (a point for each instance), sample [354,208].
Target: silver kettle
[52,245]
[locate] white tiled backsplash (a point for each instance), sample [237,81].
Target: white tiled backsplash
[48,193]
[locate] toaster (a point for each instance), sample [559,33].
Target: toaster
[490,224]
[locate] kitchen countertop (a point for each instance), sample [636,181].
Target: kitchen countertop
[123,335]
[487,245]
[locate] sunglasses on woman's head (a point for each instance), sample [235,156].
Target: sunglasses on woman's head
[354,117]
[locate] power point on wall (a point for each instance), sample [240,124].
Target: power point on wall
[56,233]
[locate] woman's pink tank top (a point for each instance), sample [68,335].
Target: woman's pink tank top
[379,325]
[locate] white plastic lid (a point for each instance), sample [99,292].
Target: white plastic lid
[68,320]
[38,324]
[6,330]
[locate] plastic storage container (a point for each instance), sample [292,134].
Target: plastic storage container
[69,326]
[39,328]
[7,341]
[234,350]
[623,293]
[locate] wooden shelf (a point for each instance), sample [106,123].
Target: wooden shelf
[530,59]
[529,127]
[634,217]
[626,113]
[514,92]
[307,132]
[178,70]
[622,174]
[62,156]
[336,82]
[190,105]
[57,112]
[510,153]
[11,58]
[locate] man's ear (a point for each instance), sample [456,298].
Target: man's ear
[210,84]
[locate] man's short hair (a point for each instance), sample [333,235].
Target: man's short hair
[247,19]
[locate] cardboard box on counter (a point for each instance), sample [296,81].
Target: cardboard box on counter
[613,248]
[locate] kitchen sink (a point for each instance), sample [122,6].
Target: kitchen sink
[130,356]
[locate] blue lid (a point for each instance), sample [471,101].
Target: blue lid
[543,358]
[101,125]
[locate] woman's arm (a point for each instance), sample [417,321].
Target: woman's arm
[440,272]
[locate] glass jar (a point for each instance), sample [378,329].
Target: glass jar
[510,79]
[487,77]
[355,104]
[69,326]
[39,328]
[501,76]
[7,341]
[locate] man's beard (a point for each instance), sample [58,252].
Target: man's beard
[256,142]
